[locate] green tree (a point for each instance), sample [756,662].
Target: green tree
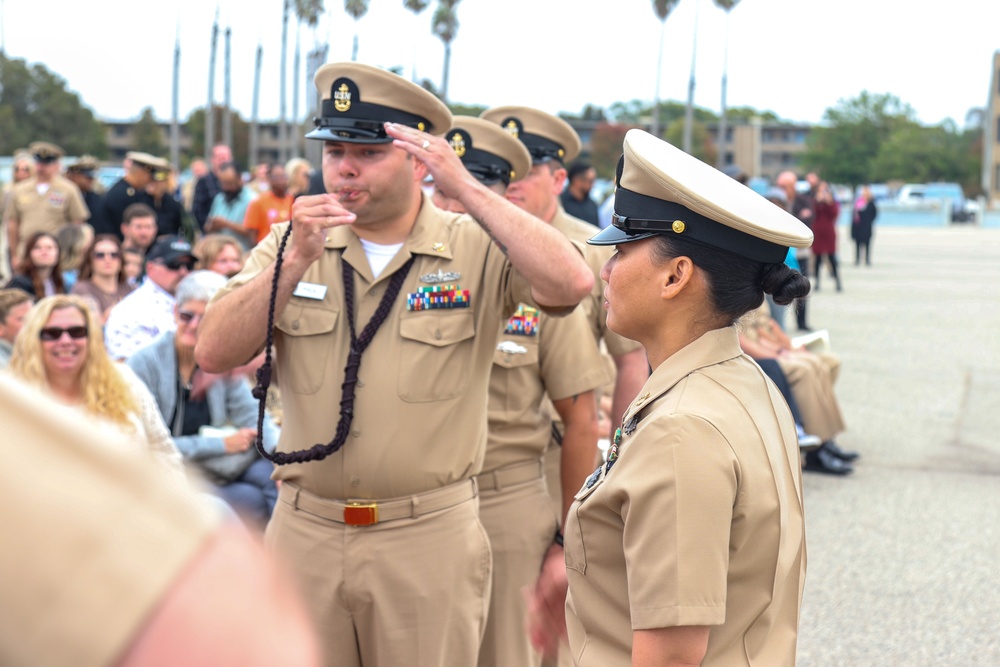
[444,24]
[147,136]
[458,109]
[35,105]
[925,154]
[356,9]
[845,147]
[746,114]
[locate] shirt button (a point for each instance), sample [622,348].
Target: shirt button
[355,480]
[356,433]
[295,325]
[372,292]
[361,382]
[437,335]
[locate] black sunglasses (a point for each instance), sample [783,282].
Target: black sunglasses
[106,255]
[178,264]
[55,333]
[186,316]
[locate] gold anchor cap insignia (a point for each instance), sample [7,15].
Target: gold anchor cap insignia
[457,144]
[342,98]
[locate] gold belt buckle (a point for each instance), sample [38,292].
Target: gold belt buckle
[358,514]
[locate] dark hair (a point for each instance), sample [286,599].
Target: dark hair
[137,210]
[27,266]
[736,284]
[577,168]
[87,267]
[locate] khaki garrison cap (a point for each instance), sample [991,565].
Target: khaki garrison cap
[547,137]
[43,151]
[489,153]
[663,190]
[358,99]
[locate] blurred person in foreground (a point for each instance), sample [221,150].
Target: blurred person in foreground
[39,272]
[107,563]
[213,418]
[102,275]
[220,253]
[687,547]
[14,307]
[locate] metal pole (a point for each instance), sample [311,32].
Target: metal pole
[175,128]
[283,102]
[227,117]
[254,129]
[689,111]
[296,69]
[722,142]
[210,109]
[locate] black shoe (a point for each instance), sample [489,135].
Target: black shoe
[825,462]
[841,454]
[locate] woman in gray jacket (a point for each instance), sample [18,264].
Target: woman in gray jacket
[213,418]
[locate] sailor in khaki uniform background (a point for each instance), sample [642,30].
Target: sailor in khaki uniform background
[537,356]
[392,309]
[688,545]
[43,203]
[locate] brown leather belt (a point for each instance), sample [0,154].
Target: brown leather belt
[517,473]
[369,512]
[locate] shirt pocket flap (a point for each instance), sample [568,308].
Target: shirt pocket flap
[298,320]
[438,329]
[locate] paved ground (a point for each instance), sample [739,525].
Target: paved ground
[904,556]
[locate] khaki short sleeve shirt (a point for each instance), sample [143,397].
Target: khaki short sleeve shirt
[595,256]
[61,204]
[537,355]
[698,521]
[420,407]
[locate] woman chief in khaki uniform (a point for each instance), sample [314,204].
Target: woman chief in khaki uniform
[688,545]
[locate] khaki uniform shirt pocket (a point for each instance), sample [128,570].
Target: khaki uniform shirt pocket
[301,361]
[436,355]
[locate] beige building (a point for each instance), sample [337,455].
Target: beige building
[120,139]
[991,138]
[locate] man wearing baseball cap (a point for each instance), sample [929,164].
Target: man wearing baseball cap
[390,309]
[149,311]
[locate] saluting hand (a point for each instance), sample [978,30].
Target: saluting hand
[449,174]
[312,215]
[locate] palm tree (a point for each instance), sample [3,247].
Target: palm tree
[307,12]
[417,7]
[445,26]
[356,9]
[662,9]
[283,153]
[726,5]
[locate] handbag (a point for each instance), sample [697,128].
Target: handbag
[220,469]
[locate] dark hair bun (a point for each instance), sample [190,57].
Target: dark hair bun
[783,284]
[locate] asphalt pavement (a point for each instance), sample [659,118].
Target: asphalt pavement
[904,555]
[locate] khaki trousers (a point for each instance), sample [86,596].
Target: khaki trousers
[411,591]
[811,378]
[521,526]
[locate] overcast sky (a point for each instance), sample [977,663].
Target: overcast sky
[793,57]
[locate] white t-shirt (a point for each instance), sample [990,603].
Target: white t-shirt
[379,255]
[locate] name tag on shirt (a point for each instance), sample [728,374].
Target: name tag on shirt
[310,291]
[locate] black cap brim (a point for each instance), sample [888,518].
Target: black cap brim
[348,136]
[611,235]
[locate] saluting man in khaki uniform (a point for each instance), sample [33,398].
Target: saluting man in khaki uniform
[537,356]
[43,203]
[391,309]
[688,545]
